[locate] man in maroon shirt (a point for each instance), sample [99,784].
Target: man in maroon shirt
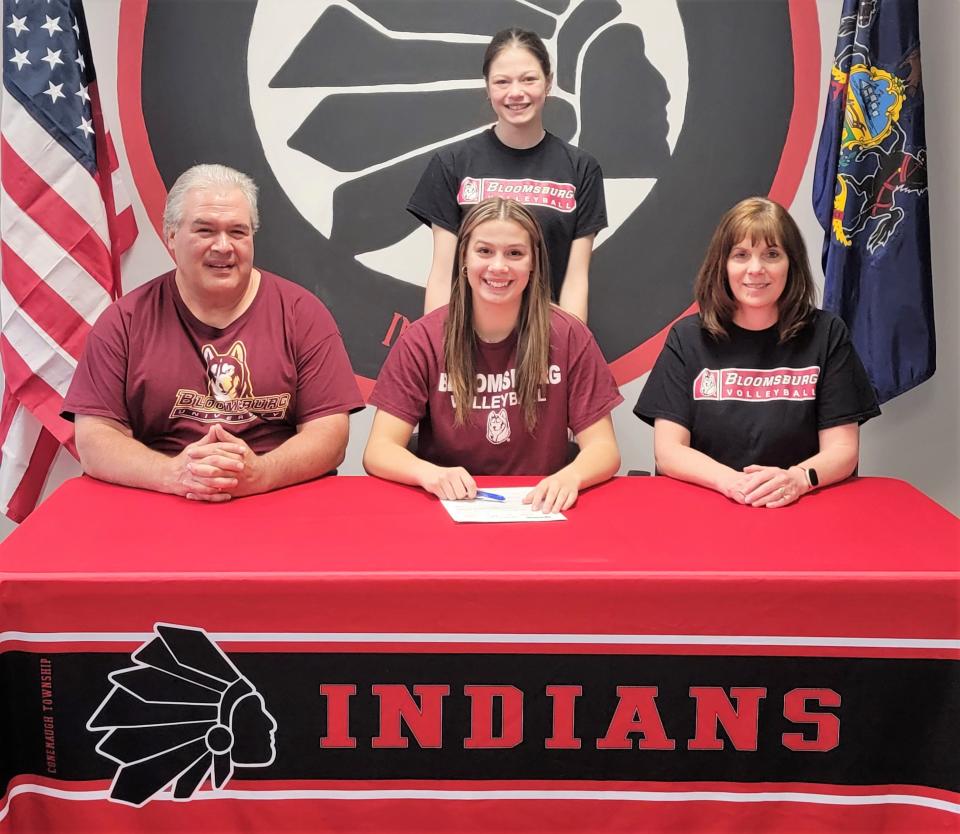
[217,379]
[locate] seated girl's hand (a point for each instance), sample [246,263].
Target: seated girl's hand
[555,493]
[449,482]
[773,487]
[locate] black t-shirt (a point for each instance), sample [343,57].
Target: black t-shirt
[560,183]
[749,399]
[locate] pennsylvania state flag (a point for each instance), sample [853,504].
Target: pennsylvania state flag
[870,194]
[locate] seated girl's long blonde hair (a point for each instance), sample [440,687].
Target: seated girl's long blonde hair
[533,326]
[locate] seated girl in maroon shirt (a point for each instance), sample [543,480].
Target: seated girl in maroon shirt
[496,378]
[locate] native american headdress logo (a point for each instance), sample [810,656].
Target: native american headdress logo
[345,103]
[182,713]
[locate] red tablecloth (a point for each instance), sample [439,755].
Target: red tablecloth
[663,660]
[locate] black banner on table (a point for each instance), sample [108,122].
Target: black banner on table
[180,712]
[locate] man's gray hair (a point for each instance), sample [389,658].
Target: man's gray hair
[208,176]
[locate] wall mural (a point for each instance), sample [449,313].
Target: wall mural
[335,107]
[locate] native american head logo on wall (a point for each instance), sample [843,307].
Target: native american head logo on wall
[181,714]
[336,106]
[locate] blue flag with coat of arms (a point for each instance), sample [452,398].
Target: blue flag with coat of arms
[870,194]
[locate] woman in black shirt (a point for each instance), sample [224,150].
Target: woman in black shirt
[761,395]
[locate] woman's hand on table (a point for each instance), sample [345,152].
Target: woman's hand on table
[734,485]
[770,486]
[448,482]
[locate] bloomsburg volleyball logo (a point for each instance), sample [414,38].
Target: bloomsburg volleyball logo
[752,385]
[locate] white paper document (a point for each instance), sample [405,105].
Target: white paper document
[498,512]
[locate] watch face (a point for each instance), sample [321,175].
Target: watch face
[336,111]
[813,477]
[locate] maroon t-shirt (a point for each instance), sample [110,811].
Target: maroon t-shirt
[580,390]
[151,365]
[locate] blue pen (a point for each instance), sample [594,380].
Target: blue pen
[492,495]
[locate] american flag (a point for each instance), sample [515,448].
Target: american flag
[65,219]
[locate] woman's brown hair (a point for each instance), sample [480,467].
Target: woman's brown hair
[767,221]
[533,325]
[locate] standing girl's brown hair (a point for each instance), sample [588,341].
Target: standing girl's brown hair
[759,219]
[522,38]
[533,325]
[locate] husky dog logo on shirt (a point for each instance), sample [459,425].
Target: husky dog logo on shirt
[470,190]
[498,426]
[229,396]
[707,385]
[228,377]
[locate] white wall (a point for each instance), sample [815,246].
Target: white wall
[915,439]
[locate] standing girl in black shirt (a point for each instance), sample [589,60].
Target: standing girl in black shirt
[516,159]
